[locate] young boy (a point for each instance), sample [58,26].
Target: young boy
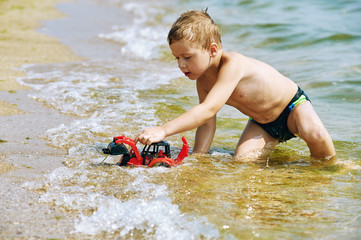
[277,107]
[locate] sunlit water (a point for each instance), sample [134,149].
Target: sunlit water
[130,81]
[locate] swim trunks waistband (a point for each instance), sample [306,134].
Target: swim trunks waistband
[301,99]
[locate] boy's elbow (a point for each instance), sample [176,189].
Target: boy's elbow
[210,111]
[211,122]
[203,114]
[208,118]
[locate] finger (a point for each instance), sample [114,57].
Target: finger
[143,140]
[139,138]
[151,140]
[136,139]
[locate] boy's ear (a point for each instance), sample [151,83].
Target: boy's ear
[213,49]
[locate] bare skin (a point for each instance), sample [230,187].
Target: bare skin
[252,87]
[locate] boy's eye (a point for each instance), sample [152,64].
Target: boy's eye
[186,58]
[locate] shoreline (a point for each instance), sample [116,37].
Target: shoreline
[24,154]
[20,43]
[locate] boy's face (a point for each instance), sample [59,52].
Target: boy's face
[192,61]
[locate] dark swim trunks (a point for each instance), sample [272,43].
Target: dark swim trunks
[278,129]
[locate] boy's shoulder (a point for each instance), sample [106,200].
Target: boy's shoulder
[234,60]
[233,57]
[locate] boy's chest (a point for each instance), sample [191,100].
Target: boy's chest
[239,92]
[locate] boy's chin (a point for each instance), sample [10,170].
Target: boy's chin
[192,77]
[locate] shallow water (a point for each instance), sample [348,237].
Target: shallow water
[130,81]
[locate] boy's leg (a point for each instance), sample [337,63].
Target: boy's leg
[254,142]
[304,122]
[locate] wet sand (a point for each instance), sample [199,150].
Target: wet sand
[24,155]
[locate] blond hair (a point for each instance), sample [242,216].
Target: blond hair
[195,27]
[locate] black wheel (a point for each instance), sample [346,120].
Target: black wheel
[161,164]
[124,160]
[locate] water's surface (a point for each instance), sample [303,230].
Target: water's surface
[130,81]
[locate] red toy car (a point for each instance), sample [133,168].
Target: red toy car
[156,154]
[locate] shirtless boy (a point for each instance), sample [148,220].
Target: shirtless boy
[277,107]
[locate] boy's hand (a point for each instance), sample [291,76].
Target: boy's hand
[150,135]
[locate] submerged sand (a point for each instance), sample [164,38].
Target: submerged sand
[24,155]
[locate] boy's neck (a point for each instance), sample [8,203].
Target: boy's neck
[214,65]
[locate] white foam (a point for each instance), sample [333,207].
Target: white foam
[70,91]
[83,89]
[220,154]
[139,41]
[144,39]
[62,173]
[149,210]
[158,217]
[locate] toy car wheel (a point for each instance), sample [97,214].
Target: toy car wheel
[161,164]
[124,160]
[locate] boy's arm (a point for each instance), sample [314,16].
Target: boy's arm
[205,132]
[187,121]
[227,80]
[204,136]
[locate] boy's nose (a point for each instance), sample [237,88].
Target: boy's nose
[181,64]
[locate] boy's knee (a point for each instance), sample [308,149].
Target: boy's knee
[318,141]
[315,134]
[255,154]
[252,150]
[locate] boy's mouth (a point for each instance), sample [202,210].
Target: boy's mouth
[187,73]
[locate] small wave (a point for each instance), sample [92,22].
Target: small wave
[142,42]
[301,40]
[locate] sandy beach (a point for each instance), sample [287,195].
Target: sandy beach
[24,155]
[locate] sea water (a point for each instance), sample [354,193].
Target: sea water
[129,81]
